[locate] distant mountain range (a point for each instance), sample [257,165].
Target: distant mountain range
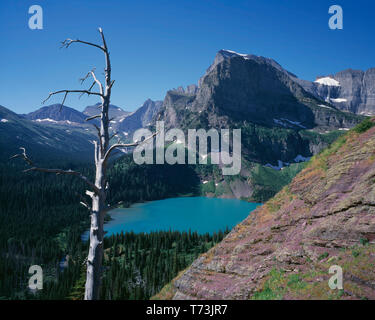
[60,131]
[281,116]
[44,140]
[124,122]
[56,113]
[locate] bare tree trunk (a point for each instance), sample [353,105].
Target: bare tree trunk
[103,151]
[95,256]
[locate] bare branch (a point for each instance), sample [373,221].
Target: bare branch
[62,104]
[67,172]
[87,75]
[114,135]
[126,145]
[97,82]
[99,138]
[93,117]
[110,86]
[92,74]
[57,171]
[23,155]
[67,42]
[103,39]
[97,129]
[72,91]
[90,193]
[83,201]
[93,84]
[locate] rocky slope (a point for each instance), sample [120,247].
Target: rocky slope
[348,90]
[283,250]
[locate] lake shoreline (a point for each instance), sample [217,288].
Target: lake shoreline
[201,214]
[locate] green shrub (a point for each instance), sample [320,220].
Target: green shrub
[364,126]
[296,282]
[355,253]
[323,256]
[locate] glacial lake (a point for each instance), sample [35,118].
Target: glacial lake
[199,214]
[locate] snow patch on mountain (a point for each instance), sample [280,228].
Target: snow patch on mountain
[243,55]
[328,81]
[46,120]
[4,120]
[339,100]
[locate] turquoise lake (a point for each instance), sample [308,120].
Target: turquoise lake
[199,214]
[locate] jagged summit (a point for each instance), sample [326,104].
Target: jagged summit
[225,54]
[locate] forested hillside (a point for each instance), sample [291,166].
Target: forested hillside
[41,222]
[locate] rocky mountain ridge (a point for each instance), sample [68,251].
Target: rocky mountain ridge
[279,119]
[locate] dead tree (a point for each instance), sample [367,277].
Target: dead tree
[102,153]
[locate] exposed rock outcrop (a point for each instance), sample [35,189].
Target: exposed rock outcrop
[348,90]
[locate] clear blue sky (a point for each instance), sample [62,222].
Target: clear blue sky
[157,45]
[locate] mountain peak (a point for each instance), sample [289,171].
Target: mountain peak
[55,113]
[226,54]
[114,111]
[231,53]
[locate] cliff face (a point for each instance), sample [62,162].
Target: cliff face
[284,249]
[348,90]
[245,88]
